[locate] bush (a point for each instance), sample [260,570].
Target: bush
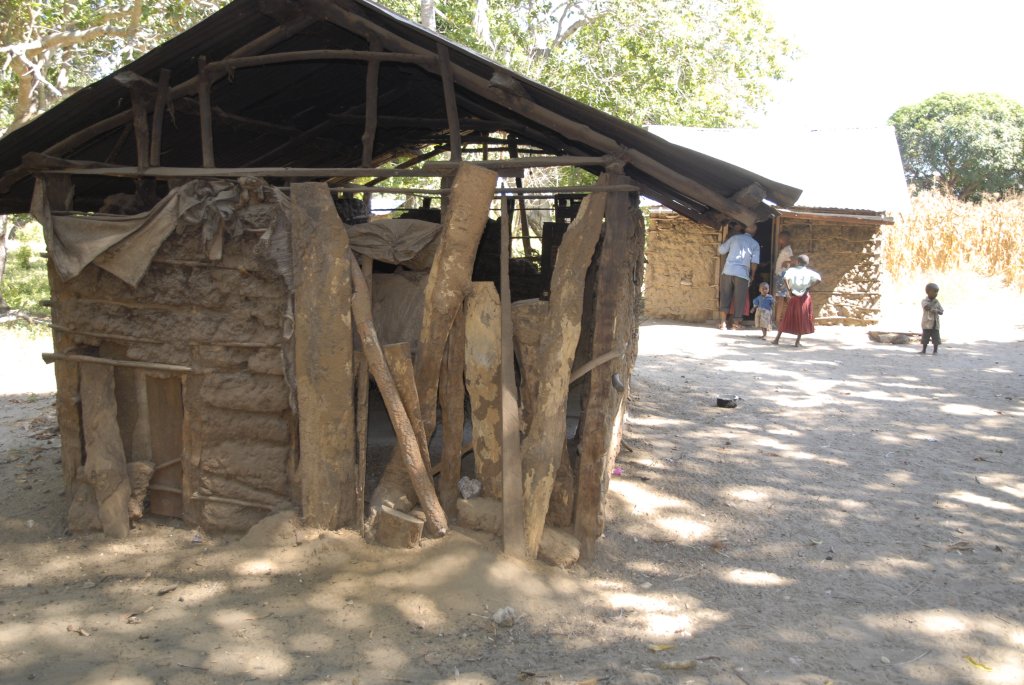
[25,281]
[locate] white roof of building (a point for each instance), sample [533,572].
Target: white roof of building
[850,168]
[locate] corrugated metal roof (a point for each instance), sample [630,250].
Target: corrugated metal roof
[315,95]
[848,168]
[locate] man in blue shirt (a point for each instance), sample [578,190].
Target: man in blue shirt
[743,255]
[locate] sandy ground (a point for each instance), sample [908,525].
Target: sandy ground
[858,519]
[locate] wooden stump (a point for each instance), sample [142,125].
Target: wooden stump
[323,357]
[398,529]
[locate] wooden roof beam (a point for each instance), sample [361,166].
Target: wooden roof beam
[188,87]
[510,99]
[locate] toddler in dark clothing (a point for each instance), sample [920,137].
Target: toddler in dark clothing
[930,319]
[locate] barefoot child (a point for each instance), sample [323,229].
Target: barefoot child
[764,304]
[930,319]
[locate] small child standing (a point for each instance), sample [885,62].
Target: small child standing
[764,306]
[930,319]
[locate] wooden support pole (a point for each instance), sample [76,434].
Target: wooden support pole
[451,106]
[362,407]
[615,319]
[408,449]
[524,220]
[370,117]
[49,357]
[545,442]
[513,517]
[140,124]
[453,414]
[323,357]
[205,115]
[159,105]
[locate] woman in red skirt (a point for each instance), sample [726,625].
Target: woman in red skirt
[799,318]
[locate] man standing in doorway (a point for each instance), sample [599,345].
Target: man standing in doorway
[743,255]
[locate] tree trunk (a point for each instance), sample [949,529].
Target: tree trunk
[3,262]
[428,14]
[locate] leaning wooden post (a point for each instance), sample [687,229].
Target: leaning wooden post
[447,286]
[408,449]
[512,514]
[323,357]
[362,408]
[544,444]
[205,116]
[399,359]
[615,319]
[451,106]
[157,129]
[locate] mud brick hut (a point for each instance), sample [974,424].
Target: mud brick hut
[853,184]
[229,331]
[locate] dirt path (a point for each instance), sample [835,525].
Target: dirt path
[858,519]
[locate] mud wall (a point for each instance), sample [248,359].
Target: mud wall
[848,258]
[224,320]
[682,268]
[681,280]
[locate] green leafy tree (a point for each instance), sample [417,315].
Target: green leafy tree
[967,145]
[688,62]
[50,48]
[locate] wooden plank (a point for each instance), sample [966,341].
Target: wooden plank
[513,517]
[166,414]
[50,357]
[159,105]
[453,414]
[323,358]
[106,469]
[205,115]
[545,442]
[408,449]
[451,106]
[483,383]
[616,294]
